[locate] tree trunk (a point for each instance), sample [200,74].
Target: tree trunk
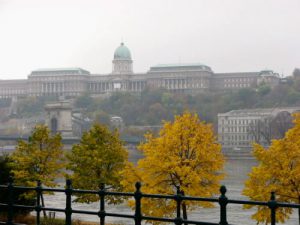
[299,215]
[184,212]
[299,210]
[43,205]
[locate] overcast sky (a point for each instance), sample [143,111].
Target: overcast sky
[228,36]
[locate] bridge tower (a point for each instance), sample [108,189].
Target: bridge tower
[59,118]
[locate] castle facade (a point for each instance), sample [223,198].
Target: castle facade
[187,78]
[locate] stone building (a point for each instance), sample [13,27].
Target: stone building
[238,129]
[11,88]
[188,78]
[60,82]
[59,118]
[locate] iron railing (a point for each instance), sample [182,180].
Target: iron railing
[138,217]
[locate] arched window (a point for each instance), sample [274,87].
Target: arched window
[54,125]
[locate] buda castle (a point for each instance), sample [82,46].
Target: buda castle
[186,78]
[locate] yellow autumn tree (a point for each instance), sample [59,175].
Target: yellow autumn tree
[278,171]
[41,158]
[185,155]
[97,159]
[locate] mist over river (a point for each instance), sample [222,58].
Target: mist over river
[236,170]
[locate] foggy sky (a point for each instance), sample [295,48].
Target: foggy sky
[227,35]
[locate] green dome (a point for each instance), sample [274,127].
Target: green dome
[122,52]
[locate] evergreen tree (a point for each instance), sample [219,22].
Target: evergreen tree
[5,173]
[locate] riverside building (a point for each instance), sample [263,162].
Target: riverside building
[239,129]
[187,78]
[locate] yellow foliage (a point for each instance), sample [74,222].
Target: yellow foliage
[40,158]
[184,154]
[98,158]
[278,171]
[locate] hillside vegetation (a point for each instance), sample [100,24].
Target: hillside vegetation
[154,105]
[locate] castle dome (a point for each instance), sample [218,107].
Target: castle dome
[122,53]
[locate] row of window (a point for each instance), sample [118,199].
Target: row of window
[242,129]
[240,137]
[237,85]
[237,80]
[56,87]
[172,85]
[122,68]
[66,93]
[103,86]
[12,91]
[238,121]
[242,144]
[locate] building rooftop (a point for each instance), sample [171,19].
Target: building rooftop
[237,74]
[180,66]
[60,71]
[260,111]
[268,73]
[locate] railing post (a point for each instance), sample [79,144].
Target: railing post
[68,210]
[101,213]
[138,197]
[10,213]
[223,203]
[272,204]
[38,202]
[178,219]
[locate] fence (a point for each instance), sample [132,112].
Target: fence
[138,217]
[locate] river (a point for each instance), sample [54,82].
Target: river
[236,171]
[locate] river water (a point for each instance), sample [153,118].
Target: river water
[236,170]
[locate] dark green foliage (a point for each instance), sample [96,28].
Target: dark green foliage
[84,101]
[5,172]
[32,106]
[263,90]
[296,72]
[102,118]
